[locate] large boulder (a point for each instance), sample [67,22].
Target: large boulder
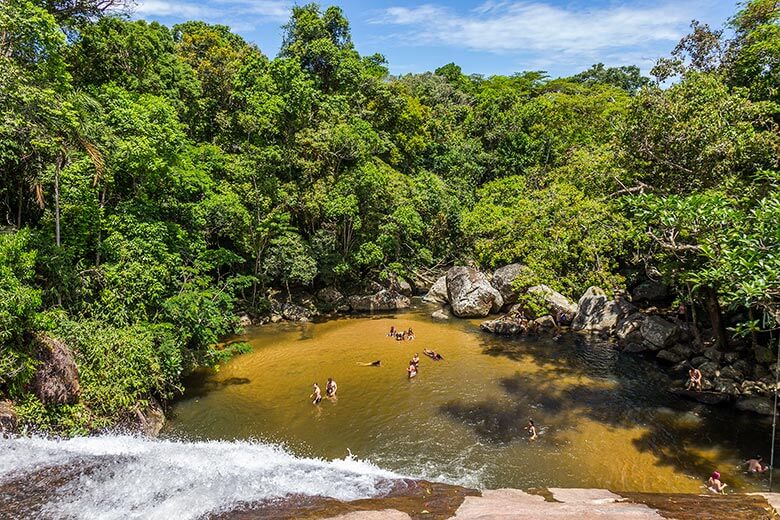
[400,286]
[384,300]
[294,312]
[330,296]
[56,379]
[628,328]
[438,291]
[507,325]
[503,281]
[150,419]
[659,332]
[8,419]
[650,291]
[555,302]
[597,313]
[470,294]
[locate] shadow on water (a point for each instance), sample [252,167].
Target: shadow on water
[616,390]
[199,384]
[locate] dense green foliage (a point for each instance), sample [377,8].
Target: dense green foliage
[157,180]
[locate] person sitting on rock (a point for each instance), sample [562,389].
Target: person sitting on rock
[756,465]
[694,379]
[714,485]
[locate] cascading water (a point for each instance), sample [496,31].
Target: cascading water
[121,477]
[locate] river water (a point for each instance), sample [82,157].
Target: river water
[249,431]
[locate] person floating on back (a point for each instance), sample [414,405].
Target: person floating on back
[331,387]
[317,394]
[531,429]
[756,465]
[714,485]
[433,354]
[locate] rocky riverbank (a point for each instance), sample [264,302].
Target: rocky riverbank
[636,323]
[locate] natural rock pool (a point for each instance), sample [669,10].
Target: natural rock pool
[606,420]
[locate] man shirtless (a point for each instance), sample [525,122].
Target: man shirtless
[416,360]
[694,379]
[756,465]
[331,387]
[317,394]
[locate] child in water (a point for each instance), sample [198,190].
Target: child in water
[317,394]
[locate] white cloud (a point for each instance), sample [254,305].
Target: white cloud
[229,12]
[559,33]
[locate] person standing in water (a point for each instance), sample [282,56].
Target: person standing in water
[416,360]
[412,370]
[531,429]
[317,394]
[331,387]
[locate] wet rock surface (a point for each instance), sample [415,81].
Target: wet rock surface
[470,293]
[384,300]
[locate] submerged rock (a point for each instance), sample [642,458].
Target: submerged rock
[470,293]
[440,315]
[384,300]
[438,292]
[8,419]
[56,380]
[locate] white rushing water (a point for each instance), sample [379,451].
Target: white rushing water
[133,477]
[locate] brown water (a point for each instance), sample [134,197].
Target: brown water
[605,419]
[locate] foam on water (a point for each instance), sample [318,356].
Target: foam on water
[142,478]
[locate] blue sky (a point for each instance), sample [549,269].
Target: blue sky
[482,36]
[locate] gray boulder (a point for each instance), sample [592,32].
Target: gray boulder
[384,300]
[669,356]
[56,379]
[658,331]
[8,420]
[713,354]
[438,292]
[597,313]
[244,321]
[556,303]
[628,328]
[636,348]
[150,419]
[650,292]
[545,324]
[709,369]
[729,372]
[294,312]
[503,279]
[330,296]
[470,293]
[400,286]
[506,325]
[763,354]
[440,315]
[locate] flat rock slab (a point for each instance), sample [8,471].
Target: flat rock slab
[385,514]
[507,504]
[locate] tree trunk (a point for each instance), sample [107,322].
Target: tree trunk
[694,317]
[19,205]
[57,166]
[716,317]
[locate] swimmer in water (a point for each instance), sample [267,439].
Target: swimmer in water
[531,429]
[317,394]
[416,360]
[331,387]
[714,485]
[412,370]
[410,334]
[756,465]
[392,331]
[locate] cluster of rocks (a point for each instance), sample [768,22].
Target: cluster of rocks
[743,375]
[394,295]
